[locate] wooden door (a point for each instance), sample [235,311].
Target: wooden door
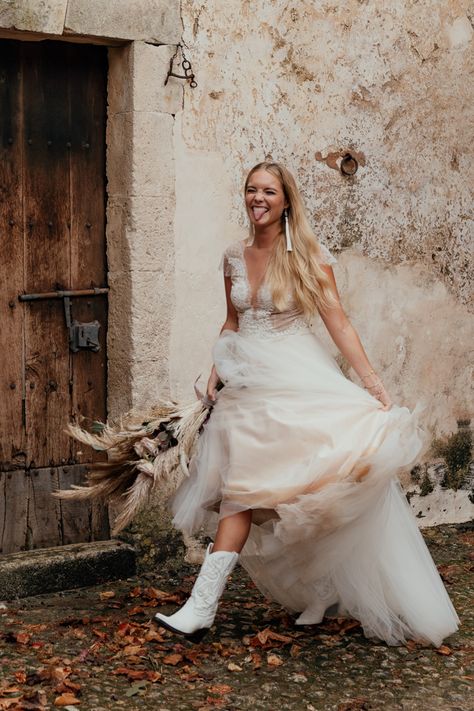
[52,239]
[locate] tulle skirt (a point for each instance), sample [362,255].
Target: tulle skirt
[316,459]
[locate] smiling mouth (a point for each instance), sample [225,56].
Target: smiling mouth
[258,212]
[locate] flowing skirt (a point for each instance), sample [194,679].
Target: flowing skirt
[316,459]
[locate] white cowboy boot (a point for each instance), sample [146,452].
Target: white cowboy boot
[197,614]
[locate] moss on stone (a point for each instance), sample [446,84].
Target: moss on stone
[456,450]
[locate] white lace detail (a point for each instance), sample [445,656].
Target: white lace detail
[328,258]
[263,319]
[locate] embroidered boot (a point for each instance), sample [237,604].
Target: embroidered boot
[196,616]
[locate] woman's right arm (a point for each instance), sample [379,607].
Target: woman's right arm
[230,324]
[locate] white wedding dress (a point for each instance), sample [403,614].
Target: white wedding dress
[316,459]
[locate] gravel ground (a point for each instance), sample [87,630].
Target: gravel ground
[96,648]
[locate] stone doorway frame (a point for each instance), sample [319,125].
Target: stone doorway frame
[141,36]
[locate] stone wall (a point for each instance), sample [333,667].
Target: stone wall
[301,81]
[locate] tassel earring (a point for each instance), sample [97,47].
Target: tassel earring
[289,246]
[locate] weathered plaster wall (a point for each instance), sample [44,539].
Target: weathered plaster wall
[394,81]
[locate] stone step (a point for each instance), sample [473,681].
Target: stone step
[64,567]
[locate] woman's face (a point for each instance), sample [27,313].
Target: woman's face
[264,198]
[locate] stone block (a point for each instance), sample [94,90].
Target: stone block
[140,154]
[153,157]
[51,569]
[33,16]
[119,154]
[120,79]
[140,233]
[150,68]
[151,20]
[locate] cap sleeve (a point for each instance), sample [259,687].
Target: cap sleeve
[326,256]
[224,265]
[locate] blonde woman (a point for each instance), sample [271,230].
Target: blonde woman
[296,470]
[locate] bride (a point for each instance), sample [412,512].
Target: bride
[296,470]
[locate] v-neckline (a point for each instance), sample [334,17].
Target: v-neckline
[253,297]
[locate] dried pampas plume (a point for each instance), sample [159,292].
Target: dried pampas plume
[145,450]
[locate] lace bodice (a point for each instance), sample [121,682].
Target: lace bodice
[261,318]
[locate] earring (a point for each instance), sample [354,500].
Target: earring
[289,247]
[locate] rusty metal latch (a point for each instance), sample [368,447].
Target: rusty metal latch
[82,336]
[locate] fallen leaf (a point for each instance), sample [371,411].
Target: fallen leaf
[256,660]
[20,676]
[356,704]
[233,667]
[22,637]
[154,676]
[133,649]
[219,689]
[66,700]
[172,659]
[295,649]
[274,660]
[100,634]
[54,674]
[107,595]
[444,649]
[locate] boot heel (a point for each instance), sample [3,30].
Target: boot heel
[194,637]
[197,636]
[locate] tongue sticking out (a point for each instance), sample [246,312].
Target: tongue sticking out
[258,212]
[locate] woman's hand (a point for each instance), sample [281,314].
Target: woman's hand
[379,392]
[211,390]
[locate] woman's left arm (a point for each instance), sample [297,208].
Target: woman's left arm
[348,342]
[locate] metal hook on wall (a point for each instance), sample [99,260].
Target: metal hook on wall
[186,64]
[347,162]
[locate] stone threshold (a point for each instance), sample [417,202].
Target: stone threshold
[76,565]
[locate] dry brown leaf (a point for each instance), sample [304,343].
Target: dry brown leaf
[100,634]
[153,636]
[10,690]
[8,703]
[66,700]
[295,649]
[273,660]
[133,650]
[20,676]
[444,649]
[22,637]
[356,704]
[172,659]
[233,667]
[137,610]
[154,676]
[219,689]
[107,594]
[54,674]
[256,660]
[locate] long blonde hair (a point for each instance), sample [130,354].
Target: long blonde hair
[298,271]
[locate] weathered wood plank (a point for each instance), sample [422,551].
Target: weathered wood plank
[13,511]
[76,516]
[88,95]
[47,259]
[88,76]
[12,454]
[44,512]
[47,393]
